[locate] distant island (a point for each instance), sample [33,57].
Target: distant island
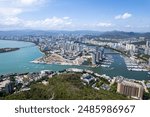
[3,50]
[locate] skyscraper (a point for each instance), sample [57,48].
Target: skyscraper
[93,58]
[99,54]
[148,44]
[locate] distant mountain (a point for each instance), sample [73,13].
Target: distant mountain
[51,32]
[25,32]
[88,33]
[122,34]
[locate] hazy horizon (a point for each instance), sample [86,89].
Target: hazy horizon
[74,30]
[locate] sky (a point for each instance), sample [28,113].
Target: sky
[99,15]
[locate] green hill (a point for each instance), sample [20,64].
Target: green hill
[65,87]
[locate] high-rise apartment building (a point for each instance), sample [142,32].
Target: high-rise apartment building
[131,89]
[93,58]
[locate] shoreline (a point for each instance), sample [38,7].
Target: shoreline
[2,77]
[58,59]
[51,63]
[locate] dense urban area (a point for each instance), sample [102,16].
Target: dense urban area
[79,48]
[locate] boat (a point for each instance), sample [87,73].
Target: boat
[138,69]
[111,68]
[105,65]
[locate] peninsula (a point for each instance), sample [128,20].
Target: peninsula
[3,50]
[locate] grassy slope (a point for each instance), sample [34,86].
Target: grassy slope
[65,86]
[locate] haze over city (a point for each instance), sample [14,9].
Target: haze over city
[100,15]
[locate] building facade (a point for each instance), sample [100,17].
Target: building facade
[130,89]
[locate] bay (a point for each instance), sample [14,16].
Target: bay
[20,62]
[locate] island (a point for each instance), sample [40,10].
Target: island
[3,50]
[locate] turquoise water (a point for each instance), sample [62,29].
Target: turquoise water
[120,69]
[20,61]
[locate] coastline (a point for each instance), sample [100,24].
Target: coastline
[39,67]
[57,59]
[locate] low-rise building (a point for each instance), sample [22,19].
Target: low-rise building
[87,78]
[45,73]
[6,86]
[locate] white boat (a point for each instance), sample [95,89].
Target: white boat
[112,68]
[138,69]
[105,65]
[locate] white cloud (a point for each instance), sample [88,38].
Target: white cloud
[14,7]
[10,11]
[48,23]
[53,20]
[104,24]
[123,16]
[12,21]
[22,3]
[29,2]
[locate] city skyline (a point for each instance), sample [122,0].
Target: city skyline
[100,15]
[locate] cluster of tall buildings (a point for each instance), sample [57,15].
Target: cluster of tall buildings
[136,49]
[97,55]
[131,47]
[71,46]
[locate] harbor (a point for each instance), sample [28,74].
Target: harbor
[20,62]
[132,65]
